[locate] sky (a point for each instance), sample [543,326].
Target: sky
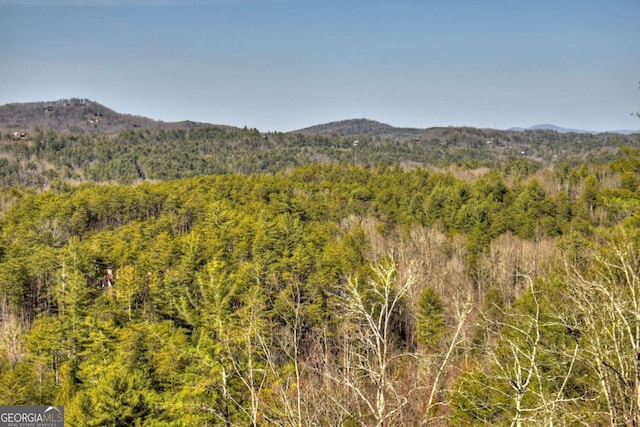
[281,65]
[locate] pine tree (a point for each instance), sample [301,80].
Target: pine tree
[430,318]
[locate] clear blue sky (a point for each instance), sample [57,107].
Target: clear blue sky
[285,64]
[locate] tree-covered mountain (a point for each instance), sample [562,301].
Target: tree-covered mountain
[561,129]
[76,116]
[80,141]
[357,127]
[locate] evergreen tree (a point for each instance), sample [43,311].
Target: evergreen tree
[430,318]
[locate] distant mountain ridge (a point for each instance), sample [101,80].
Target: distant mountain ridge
[355,127]
[84,116]
[352,127]
[560,129]
[78,140]
[76,116]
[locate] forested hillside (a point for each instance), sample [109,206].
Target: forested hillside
[137,155]
[76,116]
[79,140]
[319,294]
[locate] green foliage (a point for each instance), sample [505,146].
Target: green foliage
[220,300]
[47,158]
[430,318]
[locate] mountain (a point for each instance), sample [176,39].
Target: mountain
[626,131]
[560,129]
[365,127]
[82,140]
[76,116]
[352,127]
[84,116]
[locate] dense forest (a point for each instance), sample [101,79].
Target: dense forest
[39,156]
[195,292]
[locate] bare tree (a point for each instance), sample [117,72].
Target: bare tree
[530,361]
[12,329]
[370,354]
[247,353]
[462,311]
[607,303]
[283,350]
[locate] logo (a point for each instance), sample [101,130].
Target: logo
[31,416]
